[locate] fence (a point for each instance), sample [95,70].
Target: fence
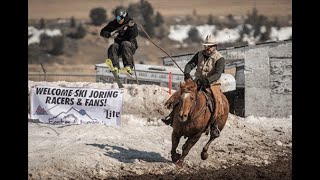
[69,77]
[70,73]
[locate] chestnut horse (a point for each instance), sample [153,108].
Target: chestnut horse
[191,118]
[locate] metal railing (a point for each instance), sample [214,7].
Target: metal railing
[52,76]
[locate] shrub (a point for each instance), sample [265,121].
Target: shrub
[79,33]
[42,24]
[52,44]
[162,31]
[142,12]
[210,20]
[232,23]
[194,35]
[72,22]
[158,20]
[257,21]
[98,16]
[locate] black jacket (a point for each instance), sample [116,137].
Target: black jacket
[128,35]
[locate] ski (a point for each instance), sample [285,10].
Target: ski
[116,77]
[124,71]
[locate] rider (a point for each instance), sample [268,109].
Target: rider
[210,65]
[125,44]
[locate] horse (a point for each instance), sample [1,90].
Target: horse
[191,118]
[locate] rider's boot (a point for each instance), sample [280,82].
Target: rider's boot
[129,69]
[116,70]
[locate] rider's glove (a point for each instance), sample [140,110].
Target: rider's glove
[107,34]
[202,83]
[199,83]
[205,82]
[187,76]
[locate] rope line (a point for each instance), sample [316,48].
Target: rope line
[159,47]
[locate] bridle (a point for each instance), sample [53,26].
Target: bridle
[194,105]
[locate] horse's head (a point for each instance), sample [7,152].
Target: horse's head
[187,98]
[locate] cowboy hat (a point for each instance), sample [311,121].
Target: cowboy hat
[210,40]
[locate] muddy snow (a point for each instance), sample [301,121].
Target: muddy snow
[248,148]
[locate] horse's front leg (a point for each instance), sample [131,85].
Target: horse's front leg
[175,138]
[172,100]
[187,146]
[204,154]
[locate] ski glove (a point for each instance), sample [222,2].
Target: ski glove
[123,30]
[107,34]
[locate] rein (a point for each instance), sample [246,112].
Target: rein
[194,106]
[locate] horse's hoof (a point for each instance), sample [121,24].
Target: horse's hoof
[204,155]
[183,146]
[179,163]
[175,157]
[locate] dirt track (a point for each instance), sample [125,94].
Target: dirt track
[281,169]
[245,150]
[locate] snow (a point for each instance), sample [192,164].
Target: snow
[227,35]
[35,34]
[281,34]
[142,144]
[180,33]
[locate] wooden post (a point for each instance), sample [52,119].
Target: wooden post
[45,73]
[170,82]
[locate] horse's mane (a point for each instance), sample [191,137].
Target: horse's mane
[188,85]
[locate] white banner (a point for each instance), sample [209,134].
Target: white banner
[76,105]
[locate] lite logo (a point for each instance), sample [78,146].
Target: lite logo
[111,114]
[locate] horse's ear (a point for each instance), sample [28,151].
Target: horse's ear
[194,86]
[182,84]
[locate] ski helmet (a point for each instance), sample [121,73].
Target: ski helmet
[120,14]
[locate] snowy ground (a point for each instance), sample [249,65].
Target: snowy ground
[248,148]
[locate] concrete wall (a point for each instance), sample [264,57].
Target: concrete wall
[268,80]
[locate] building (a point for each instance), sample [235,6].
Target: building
[263,78]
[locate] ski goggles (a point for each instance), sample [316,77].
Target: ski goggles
[119,18]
